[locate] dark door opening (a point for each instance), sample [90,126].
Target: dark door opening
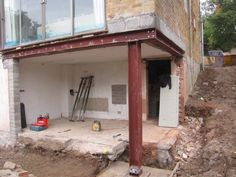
[155,70]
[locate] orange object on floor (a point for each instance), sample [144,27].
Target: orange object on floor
[42,121]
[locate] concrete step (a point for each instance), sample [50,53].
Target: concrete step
[121,169]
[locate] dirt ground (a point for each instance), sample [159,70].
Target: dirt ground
[210,149]
[50,164]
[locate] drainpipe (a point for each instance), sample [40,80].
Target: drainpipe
[202,44]
[190,28]
[190,38]
[201,37]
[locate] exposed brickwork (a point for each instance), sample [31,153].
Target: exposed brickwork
[116,9]
[182,92]
[174,14]
[14,97]
[196,35]
[185,24]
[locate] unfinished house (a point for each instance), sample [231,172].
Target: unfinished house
[143,57]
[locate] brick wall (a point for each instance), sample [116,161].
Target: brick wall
[185,24]
[172,12]
[116,9]
[196,35]
[181,92]
[176,16]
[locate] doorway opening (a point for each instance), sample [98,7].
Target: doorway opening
[155,69]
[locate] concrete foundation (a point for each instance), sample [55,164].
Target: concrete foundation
[63,135]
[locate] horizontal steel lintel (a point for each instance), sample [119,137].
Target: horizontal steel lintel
[150,36]
[79,44]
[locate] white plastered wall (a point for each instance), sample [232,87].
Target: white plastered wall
[4,99]
[44,89]
[105,75]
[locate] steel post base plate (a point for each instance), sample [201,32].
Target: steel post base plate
[135,171]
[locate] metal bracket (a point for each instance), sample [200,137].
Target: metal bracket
[72,92]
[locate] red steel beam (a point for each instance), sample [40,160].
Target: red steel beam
[162,42]
[150,36]
[135,108]
[79,43]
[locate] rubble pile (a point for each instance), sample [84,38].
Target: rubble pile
[13,170]
[190,139]
[207,145]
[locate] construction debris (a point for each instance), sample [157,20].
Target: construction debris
[207,138]
[9,165]
[13,170]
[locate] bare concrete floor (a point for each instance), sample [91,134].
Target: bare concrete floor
[78,136]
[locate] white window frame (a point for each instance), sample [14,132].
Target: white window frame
[101,16]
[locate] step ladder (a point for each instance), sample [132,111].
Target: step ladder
[81,99]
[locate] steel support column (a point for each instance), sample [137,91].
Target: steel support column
[135,108]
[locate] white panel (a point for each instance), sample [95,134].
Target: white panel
[4,101]
[169,104]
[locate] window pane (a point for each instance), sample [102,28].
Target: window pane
[11,10]
[31,20]
[89,15]
[58,18]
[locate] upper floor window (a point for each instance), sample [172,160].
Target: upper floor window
[31,21]
[89,15]
[12,22]
[58,18]
[28,21]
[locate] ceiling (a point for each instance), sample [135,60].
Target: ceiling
[98,55]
